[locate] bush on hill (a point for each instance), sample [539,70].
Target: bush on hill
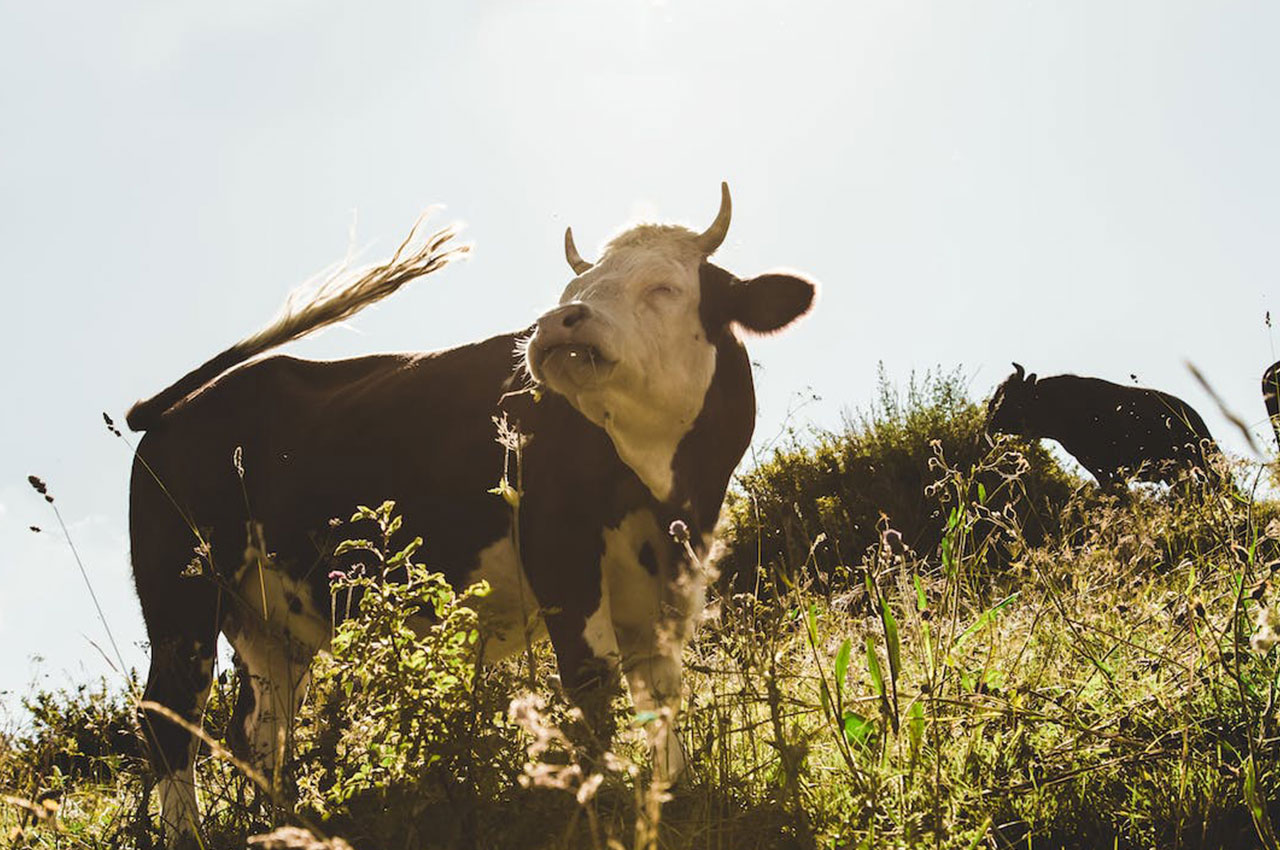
[843,488]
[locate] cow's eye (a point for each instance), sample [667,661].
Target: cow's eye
[660,290]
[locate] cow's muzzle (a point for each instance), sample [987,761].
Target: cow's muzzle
[567,343]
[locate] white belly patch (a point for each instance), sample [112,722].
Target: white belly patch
[509,615]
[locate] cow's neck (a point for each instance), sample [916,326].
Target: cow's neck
[649,450]
[711,450]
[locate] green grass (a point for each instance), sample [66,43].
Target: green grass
[1085,683]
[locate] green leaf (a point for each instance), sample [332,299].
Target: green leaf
[922,601]
[982,494]
[983,619]
[352,545]
[1256,802]
[890,638]
[926,638]
[406,553]
[857,729]
[509,494]
[842,663]
[873,667]
[980,834]
[811,621]
[915,724]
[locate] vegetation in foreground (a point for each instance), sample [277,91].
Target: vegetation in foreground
[947,646]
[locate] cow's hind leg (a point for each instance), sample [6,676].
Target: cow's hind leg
[180,676]
[274,674]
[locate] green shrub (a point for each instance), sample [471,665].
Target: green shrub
[82,735]
[826,500]
[398,720]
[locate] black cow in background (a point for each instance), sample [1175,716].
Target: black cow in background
[1115,431]
[1271,396]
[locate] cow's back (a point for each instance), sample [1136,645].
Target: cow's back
[1110,427]
[291,444]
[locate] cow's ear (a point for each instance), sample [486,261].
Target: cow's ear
[1031,379]
[770,302]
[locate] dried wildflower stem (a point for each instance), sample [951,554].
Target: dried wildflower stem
[221,752]
[512,442]
[84,574]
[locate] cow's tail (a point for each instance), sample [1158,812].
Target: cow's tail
[337,296]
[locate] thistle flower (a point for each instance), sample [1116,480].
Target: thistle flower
[679,531]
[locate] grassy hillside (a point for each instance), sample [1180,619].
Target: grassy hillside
[1005,659]
[823,499]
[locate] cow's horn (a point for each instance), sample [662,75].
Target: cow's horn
[1019,371]
[571,254]
[711,238]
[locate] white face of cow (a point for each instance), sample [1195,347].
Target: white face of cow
[629,345]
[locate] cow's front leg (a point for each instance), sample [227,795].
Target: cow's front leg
[587,656]
[654,601]
[651,663]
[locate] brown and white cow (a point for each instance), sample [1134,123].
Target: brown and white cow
[648,406]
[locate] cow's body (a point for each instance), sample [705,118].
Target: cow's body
[1271,396]
[1115,431]
[285,445]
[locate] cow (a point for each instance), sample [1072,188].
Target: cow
[1116,432]
[635,399]
[1271,396]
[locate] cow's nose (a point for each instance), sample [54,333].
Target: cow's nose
[566,316]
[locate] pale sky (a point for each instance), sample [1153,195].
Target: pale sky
[1086,187]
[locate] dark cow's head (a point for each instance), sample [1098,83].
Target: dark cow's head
[633,343]
[1010,408]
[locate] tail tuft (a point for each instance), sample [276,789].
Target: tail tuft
[337,296]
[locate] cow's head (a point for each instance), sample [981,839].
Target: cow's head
[633,343]
[1011,405]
